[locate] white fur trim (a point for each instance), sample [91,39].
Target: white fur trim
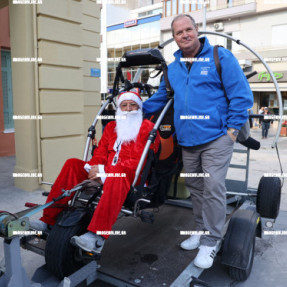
[102,171]
[87,167]
[130,96]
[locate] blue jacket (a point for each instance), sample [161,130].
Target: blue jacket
[199,93]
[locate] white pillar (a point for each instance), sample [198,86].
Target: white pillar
[104,51]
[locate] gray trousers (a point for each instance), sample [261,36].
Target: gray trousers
[208,194]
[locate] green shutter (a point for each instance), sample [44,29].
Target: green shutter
[7,89]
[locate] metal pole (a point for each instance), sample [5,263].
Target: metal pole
[145,151]
[104,51]
[204,16]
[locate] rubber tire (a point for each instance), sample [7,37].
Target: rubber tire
[242,274]
[268,197]
[60,254]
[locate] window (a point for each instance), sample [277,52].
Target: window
[150,12]
[174,7]
[229,42]
[278,35]
[7,89]
[157,11]
[235,46]
[167,7]
[193,6]
[142,14]
[180,6]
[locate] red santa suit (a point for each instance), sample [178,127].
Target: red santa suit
[115,189]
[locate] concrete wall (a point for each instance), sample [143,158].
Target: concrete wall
[254,28]
[92,86]
[7,141]
[60,83]
[59,88]
[24,101]
[257,31]
[263,5]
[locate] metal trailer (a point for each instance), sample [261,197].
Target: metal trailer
[149,258]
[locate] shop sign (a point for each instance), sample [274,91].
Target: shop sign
[265,77]
[130,23]
[95,72]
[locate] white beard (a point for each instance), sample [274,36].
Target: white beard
[127,129]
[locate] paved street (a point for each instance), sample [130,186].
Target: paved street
[270,263]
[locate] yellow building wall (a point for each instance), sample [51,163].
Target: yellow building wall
[59,88]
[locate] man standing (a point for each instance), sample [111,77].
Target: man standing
[206,126]
[265,122]
[260,112]
[118,152]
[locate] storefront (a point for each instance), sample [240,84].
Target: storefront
[265,93]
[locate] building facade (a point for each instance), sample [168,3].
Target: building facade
[7,141]
[57,88]
[139,31]
[259,24]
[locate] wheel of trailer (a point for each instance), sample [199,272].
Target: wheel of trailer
[61,256]
[242,274]
[268,197]
[239,243]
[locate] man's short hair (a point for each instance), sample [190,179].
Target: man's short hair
[181,16]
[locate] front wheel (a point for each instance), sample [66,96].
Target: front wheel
[60,255]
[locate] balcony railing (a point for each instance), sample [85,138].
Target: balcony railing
[175,7]
[218,5]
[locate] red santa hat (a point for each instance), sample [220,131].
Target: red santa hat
[132,96]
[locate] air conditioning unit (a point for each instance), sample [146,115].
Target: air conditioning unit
[245,63]
[218,26]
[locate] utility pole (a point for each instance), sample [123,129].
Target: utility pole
[204,15]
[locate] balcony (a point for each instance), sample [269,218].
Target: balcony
[223,4]
[216,10]
[219,10]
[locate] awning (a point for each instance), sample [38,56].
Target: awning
[267,87]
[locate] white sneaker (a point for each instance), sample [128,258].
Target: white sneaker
[205,257]
[191,243]
[89,242]
[38,225]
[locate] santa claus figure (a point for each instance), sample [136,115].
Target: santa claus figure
[118,152]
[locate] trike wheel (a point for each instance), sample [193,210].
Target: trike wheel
[268,197]
[60,254]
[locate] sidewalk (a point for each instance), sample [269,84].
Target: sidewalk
[269,269]
[265,160]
